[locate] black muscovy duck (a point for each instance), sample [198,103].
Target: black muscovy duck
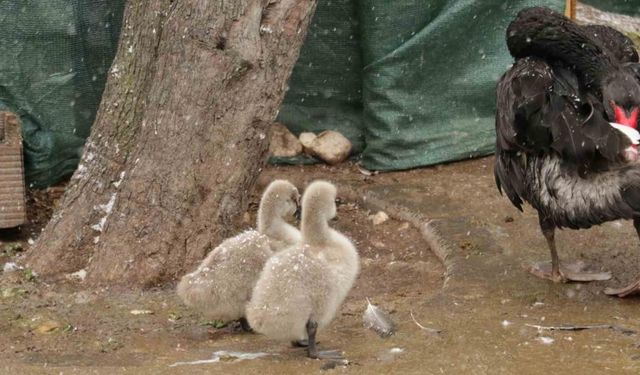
[566,116]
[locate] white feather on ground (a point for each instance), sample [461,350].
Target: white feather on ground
[379,321]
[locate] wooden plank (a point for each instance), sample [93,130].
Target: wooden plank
[12,186]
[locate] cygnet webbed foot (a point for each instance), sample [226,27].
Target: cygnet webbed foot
[312,348]
[245,325]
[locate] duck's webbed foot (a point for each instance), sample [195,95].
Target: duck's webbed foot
[312,348]
[634,287]
[574,271]
[631,289]
[244,324]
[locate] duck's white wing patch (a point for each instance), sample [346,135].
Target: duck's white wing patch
[631,133]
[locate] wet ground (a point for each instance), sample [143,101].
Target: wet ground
[475,290]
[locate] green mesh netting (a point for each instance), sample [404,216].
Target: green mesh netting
[427,83]
[410,82]
[629,7]
[54,56]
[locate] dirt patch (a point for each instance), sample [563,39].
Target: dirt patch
[63,325]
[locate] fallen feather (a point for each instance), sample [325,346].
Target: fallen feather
[223,356]
[367,172]
[378,320]
[427,329]
[10,267]
[571,327]
[396,350]
[141,312]
[545,340]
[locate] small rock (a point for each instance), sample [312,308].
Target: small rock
[379,218]
[378,244]
[174,317]
[306,139]
[508,219]
[78,275]
[334,363]
[404,226]
[141,312]
[283,142]
[48,326]
[331,147]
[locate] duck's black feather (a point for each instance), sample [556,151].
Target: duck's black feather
[555,148]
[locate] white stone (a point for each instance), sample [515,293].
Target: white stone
[330,147]
[306,139]
[283,143]
[379,218]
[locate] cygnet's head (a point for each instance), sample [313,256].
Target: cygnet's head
[319,200]
[281,198]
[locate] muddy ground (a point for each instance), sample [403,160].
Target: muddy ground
[494,316]
[66,329]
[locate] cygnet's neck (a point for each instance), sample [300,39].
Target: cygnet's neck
[315,230]
[275,227]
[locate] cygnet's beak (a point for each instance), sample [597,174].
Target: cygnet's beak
[298,212]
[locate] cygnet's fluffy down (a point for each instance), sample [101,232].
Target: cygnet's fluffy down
[222,284]
[301,288]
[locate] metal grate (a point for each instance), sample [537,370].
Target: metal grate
[13,211]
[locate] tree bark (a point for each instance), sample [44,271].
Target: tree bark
[179,139]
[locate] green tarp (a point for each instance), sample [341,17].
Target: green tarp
[629,7]
[411,83]
[54,56]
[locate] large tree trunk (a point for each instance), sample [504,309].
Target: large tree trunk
[178,141]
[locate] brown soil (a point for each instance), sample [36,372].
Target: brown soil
[64,326]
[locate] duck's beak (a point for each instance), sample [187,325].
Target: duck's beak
[626,117]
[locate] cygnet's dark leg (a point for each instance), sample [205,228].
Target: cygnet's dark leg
[245,325]
[312,349]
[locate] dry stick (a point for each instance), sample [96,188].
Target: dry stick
[430,330]
[570,327]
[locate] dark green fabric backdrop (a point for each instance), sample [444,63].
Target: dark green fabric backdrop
[411,82]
